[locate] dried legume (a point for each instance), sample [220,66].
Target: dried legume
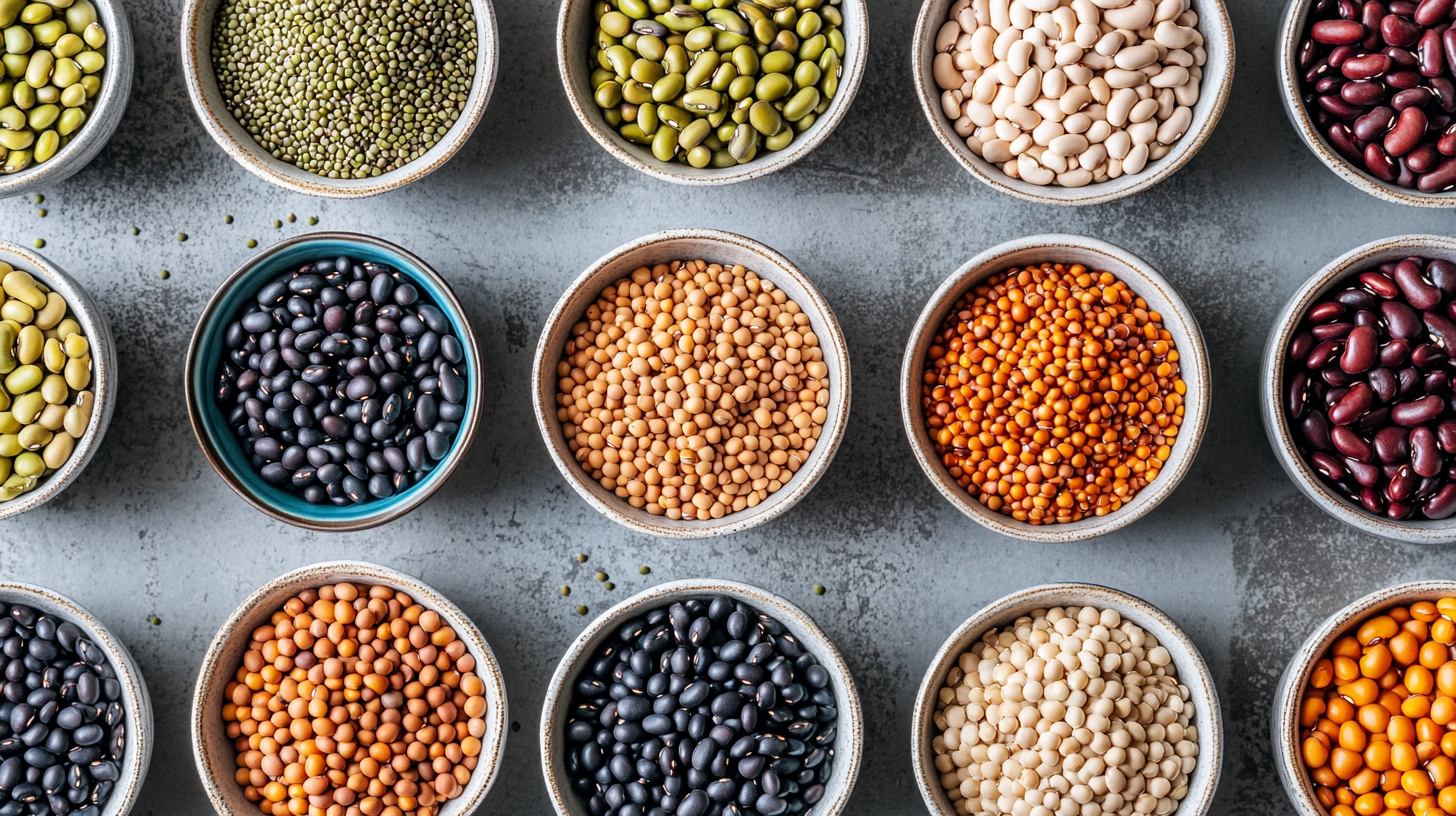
[54,56]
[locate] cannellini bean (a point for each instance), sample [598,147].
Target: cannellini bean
[946,76]
[1118,144]
[1023,117]
[1087,13]
[1046,25]
[946,38]
[1173,35]
[983,46]
[1028,88]
[1166,103]
[965,61]
[1170,77]
[1021,16]
[984,89]
[1108,45]
[1187,93]
[1119,78]
[1021,144]
[1076,98]
[950,103]
[1069,144]
[1099,131]
[1000,14]
[1018,57]
[1046,133]
[1158,150]
[1012,170]
[1143,132]
[1092,157]
[1007,130]
[1143,111]
[1132,17]
[996,150]
[1078,74]
[967,19]
[1187,19]
[1001,46]
[1005,98]
[1177,124]
[1068,53]
[1077,123]
[1053,83]
[964,127]
[1167,10]
[1121,106]
[1066,21]
[1134,57]
[980,113]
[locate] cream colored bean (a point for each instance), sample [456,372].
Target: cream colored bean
[78,373]
[78,416]
[1101,91]
[946,75]
[1043,28]
[1053,83]
[1188,19]
[1132,17]
[1177,124]
[21,286]
[983,90]
[1177,56]
[1078,74]
[1143,132]
[1118,78]
[1040,5]
[1000,14]
[1001,46]
[1118,144]
[1021,17]
[1170,77]
[1023,117]
[1048,110]
[1143,111]
[1033,173]
[1099,131]
[1068,53]
[1076,98]
[1109,44]
[1087,13]
[1075,177]
[1093,157]
[1053,162]
[1069,144]
[1018,57]
[1046,133]
[983,44]
[52,313]
[950,104]
[1087,35]
[27,407]
[1134,57]
[1121,106]
[52,417]
[980,114]
[1006,130]
[1110,4]
[1114,168]
[1136,159]
[1028,88]
[1172,35]
[1021,144]
[1077,123]
[1167,10]
[1166,103]
[59,450]
[996,150]
[945,39]
[1005,98]
[1187,93]
[1066,22]
[1158,150]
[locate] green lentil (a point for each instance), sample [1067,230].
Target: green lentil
[601,576]
[277,224]
[40,243]
[46,62]
[581,559]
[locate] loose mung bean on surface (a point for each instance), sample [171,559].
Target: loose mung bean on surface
[1069,711]
[693,390]
[54,53]
[1052,393]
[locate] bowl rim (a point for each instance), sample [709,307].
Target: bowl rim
[209,675]
[831,340]
[641,159]
[928,24]
[135,697]
[558,696]
[454,310]
[199,77]
[1271,389]
[1017,604]
[103,385]
[1193,355]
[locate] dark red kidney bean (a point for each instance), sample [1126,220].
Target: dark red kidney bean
[1442,273]
[1426,459]
[1426,488]
[1326,311]
[1306,54]
[1337,32]
[1430,53]
[1378,163]
[1411,98]
[1445,91]
[1423,159]
[1430,12]
[1394,354]
[1409,78]
[1441,505]
[1404,8]
[1402,485]
[1336,377]
[1392,444]
[1405,177]
[1298,393]
[1427,356]
[1373,421]
[1315,428]
[1446,435]
[1331,331]
[1374,125]
[1410,126]
[1365,66]
[1448,42]
[1322,354]
[1383,383]
[1355,402]
[1437,382]
[1362,349]
[1349,9]
[1364,92]
[1399,510]
[1301,345]
[1329,84]
[1401,321]
[1408,378]
[1371,500]
[1328,466]
[1439,180]
[1316,71]
[1417,290]
[1356,298]
[1397,31]
[1351,444]
[1366,474]
[1447,143]
[1341,140]
[1336,105]
[1367,318]
[1401,57]
[1442,330]
[1413,413]
[1341,54]
[1334,394]
[1379,285]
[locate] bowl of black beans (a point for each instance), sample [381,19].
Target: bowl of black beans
[701,697]
[334,381]
[75,716]
[1357,388]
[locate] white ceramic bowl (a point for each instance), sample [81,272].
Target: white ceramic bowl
[1192,672]
[214,752]
[574,29]
[134,697]
[1144,281]
[848,744]
[684,245]
[1218,75]
[207,101]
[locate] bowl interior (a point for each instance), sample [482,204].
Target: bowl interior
[848,743]
[224,447]
[1218,42]
[574,41]
[713,247]
[1145,282]
[1192,672]
[215,753]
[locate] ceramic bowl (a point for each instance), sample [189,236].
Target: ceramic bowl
[1272,386]
[207,101]
[103,374]
[134,696]
[223,448]
[1145,281]
[100,124]
[214,752]
[1284,719]
[575,27]
[1192,672]
[848,745]
[1291,34]
[664,247]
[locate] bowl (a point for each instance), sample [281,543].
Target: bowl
[233,138]
[214,752]
[1145,281]
[100,124]
[1218,74]
[849,743]
[1192,672]
[664,247]
[1284,718]
[574,28]
[222,447]
[103,374]
[134,696]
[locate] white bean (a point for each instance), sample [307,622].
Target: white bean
[1066,21]
[1097,62]
[964,127]
[1040,5]
[1177,56]
[1012,170]
[1187,19]
[946,76]
[1187,93]
[1177,124]
[1167,10]
[946,38]
[1029,87]
[1101,91]
[983,44]
[1047,109]
[1132,17]
[1068,144]
[1053,83]
[1005,98]
[1076,98]
[1078,74]
[1142,111]
[1021,16]
[1056,164]
[1114,168]
[1044,58]
[1108,45]
[1006,130]
[1143,132]
[980,113]
[1110,4]
[1170,77]
[1121,106]
[950,103]
[1001,46]
[1047,24]
[1099,131]
[1077,123]
[1093,157]
[1118,78]
[1024,117]
[984,89]
[996,150]
[1068,53]
[1087,34]
[1118,144]
[1173,35]
[1134,57]
[1021,144]
[1166,103]
[967,19]
[1000,14]
[1018,57]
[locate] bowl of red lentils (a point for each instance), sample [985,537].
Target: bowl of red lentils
[1055,388]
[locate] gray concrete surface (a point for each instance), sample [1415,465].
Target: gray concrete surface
[877,216]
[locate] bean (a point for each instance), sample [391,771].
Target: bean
[1440,179]
[1361,350]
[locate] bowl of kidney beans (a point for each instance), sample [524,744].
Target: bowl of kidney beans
[333,381]
[701,697]
[1357,388]
[1370,88]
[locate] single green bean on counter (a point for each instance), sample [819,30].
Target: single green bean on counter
[52,73]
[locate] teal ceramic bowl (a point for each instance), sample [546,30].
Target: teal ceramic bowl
[224,449]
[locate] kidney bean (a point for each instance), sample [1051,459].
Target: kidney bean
[1405,177]
[1405,8]
[1437,382]
[1356,298]
[1337,106]
[1340,139]
[1351,444]
[1322,354]
[1409,379]
[1379,163]
[1445,92]
[1398,31]
[1402,485]
[1411,98]
[1349,9]
[1326,311]
[1383,383]
[1327,465]
[1447,143]
[1427,356]
[1430,12]
[1371,500]
[1418,292]
[1298,394]
[1333,375]
[1410,126]
[1333,395]
[1378,284]
[1431,54]
[1355,402]
[1306,54]
[1373,421]
[1362,349]
[1395,353]
[1392,444]
[1301,345]
[1364,473]
[1446,435]
[1401,320]
[1442,273]
[1416,412]
[1405,78]
[1373,125]
[1426,459]
[1365,66]
[1441,505]
[1423,159]
[1331,331]
[1363,92]
[1439,180]
[1337,32]
[1315,429]
[1442,330]
[1329,85]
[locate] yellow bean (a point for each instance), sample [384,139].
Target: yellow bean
[53,418]
[59,450]
[27,407]
[4,400]
[52,313]
[21,286]
[29,464]
[23,379]
[29,345]
[54,389]
[78,372]
[76,346]
[4,468]
[17,485]
[54,356]
[17,310]
[34,437]
[78,416]
[9,424]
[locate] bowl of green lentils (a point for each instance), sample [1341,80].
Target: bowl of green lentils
[339,99]
[710,91]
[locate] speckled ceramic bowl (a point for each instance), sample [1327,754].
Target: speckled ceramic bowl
[681,245]
[575,27]
[848,745]
[1218,77]
[1284,718]
[100,124]
[214,752]
[234,139]
[1145,281]
[223,448]
[134,697]
[103,374]
[1192,672]
[1272,385]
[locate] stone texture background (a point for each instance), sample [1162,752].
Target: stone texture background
[877,216]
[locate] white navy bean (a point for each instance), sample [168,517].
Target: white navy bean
[1134,57]
[1167,10]
[946,75]
[1143,132]
[1046,133]
[946,38]
[1021,16]
[1075,177]
[1119,78]
[1093,157]
[1099,131]
[1028,88]
[1069,144]
[1172,35]
[1187,93]
[1077,123]
[1118,144]
[1018,57]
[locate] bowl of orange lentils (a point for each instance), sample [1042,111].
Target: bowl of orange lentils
[1055,388]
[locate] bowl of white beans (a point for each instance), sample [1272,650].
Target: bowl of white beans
[1073,101]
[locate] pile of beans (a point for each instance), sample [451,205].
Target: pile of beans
[705,707]
[1068,711]
[1052,393]
[53,60]
[1368,388]
[344,385]
[1376,716]
[62,722]
[1376,78]
[1070,92]
[355,699]
[693,390]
